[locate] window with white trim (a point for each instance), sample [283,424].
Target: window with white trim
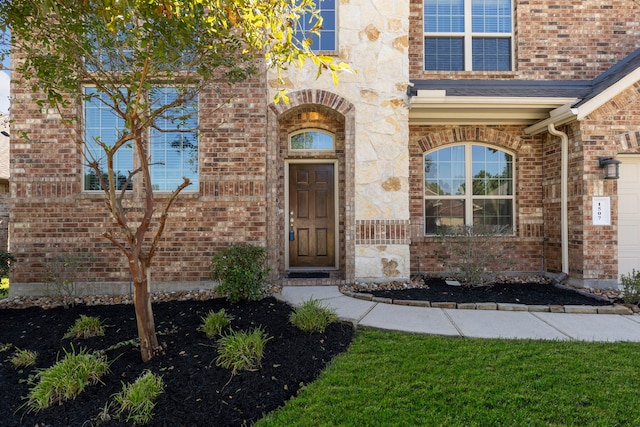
[327,39]
[468,35]
[450,172]
[173,142]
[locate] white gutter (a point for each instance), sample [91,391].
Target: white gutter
[564,178]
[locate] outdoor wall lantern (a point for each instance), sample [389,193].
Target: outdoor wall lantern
[611,167]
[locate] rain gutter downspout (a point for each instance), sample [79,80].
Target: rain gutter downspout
[564,178]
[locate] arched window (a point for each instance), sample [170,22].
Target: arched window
[311,140]
[468,185]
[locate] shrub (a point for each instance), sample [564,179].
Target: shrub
[214,322]
[312,316]
[241,351]
[62,273]
[66,379]
[4,288]
[137,400]
[241,271]
[474,254]
[631,287]
[23,358]
[86,327]
[6,260]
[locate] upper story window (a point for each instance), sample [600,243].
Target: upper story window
[328,34]
[311,140]
[173,142]
[468,35]
[451,171]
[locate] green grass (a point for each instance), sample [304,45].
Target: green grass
[66,379]
[242,350]
[397,379]
[137,400]
[214,322]
[313,316]
[23,358]
[85,327]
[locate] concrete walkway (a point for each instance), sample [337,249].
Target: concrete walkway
[469,323]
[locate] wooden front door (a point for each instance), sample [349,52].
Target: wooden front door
[311,215]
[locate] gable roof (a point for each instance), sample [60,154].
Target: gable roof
[533,102]
[612,76]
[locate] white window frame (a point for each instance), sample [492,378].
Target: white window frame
[469,196]
[467,35]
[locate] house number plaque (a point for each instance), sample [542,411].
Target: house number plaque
[601,211]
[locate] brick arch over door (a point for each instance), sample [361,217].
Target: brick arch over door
[340,111]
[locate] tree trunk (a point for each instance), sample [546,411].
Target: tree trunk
[144,314]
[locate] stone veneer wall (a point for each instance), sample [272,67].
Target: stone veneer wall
[373,38]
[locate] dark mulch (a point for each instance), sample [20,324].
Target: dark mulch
[437,290]
[198,393]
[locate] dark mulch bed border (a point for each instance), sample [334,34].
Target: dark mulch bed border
[198,393]
[528,293]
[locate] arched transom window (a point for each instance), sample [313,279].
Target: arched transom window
[468,185]
[311,140]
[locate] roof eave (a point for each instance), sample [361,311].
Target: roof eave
[434,107]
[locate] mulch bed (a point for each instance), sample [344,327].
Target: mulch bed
[529,293]
[198,393]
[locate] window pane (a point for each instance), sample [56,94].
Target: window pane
[495,213]
[491,16]
[445,172]
[443,16]
[313,140]
[492,171]
[174,144]
[102,124]
[327,39]
[491,54]
[443,54]
[443,213]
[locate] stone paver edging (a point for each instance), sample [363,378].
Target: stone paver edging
[581,309]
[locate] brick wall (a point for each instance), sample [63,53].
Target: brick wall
[525,246]
[51,215]
[608,131]
[554,39]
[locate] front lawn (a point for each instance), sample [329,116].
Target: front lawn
[398,379]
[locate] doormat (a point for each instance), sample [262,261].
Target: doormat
[307,275]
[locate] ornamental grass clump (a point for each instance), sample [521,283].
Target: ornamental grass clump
[242,350]
[136,401]
[86,327]
[23,358]
[241,271]
[66,379]
[312,316]
[214,322]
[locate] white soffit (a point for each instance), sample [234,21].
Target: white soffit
[434,107]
